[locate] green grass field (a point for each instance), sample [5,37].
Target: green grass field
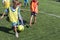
[46,28]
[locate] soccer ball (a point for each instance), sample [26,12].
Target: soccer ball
[20,27]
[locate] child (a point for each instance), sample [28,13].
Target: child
[14,16]
[25,3]
[6,3]
[19,4]
[34,10]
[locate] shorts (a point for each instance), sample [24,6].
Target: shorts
[15,24]
[25,1]
[33,13]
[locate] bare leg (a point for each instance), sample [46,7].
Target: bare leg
[34,19]
[16,33]
[15,29]
[31,20]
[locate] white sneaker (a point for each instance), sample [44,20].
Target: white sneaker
[16,35]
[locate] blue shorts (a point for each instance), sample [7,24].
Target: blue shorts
[15,24]
[33,13]
[25,1]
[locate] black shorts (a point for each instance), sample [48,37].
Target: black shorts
[33,13]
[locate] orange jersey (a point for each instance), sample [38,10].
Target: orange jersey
[34,7]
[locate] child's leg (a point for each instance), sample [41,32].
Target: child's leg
[24,3]
[35,18]
[15,29]
[16,33]
[31,20]
[27,4]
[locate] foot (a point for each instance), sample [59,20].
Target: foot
[16,34]
[32,22]
[27,26]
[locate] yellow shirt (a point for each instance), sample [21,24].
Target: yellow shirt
[6,3]
[13,15]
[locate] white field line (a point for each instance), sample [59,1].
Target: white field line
[47,13]
[50,14]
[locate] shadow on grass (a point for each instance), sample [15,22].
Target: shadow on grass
[26,23]
[57,0]
[5,29]
[0,14]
